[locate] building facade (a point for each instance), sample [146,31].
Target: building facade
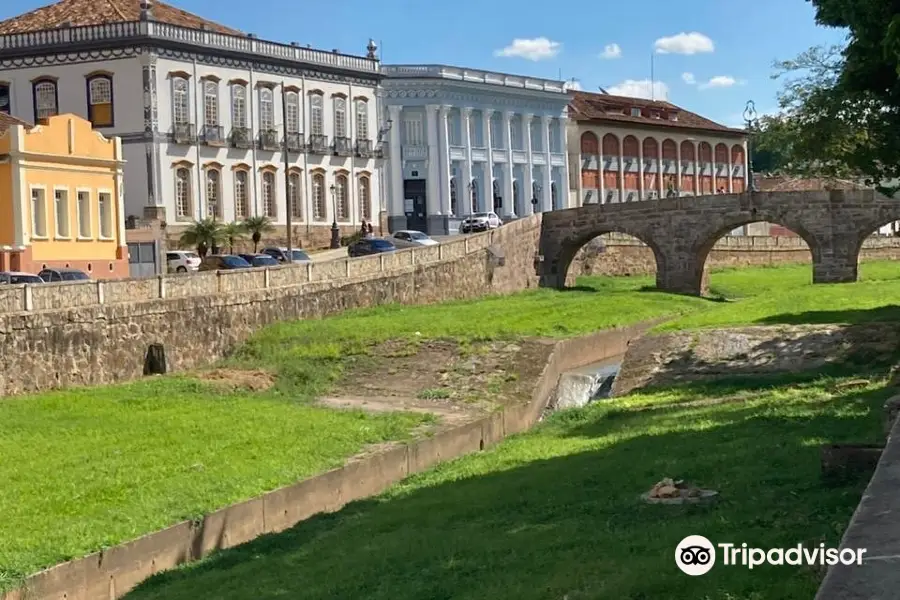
[630,149]
[464,141]
[61,190]
[205,111]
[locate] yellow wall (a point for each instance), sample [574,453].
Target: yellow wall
[7,227]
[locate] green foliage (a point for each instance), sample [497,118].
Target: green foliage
[204,235]
[257,227]
[233,232]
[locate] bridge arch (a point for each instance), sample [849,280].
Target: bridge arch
[872,226]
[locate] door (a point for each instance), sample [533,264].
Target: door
[414,204]
[142,259]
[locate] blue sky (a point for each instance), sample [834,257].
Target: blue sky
[733,43]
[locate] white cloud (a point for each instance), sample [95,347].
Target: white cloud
[572,84]
[684,43]
[539,48]
[641,89]
[688,78]
[720,81]
[612,51]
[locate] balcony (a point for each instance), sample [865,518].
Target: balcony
[183,133]
[364,148]
[414,152]
[213,135]
[343,146]
[241,138]
[295,142]
[318,144]
[268,140]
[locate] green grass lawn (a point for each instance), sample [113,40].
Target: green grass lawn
[554,513]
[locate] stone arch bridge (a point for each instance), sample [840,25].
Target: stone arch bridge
[682,231]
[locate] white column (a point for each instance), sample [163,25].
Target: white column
[444,158]
[641,170]
[697,169]
[660,186]
[432,190]
[602,167]
[489,166]
[509,206]
[715,178]
[730,171]
[548,169]
[678,173]
[464,192]
[529,168]
[396,160]
[622,196]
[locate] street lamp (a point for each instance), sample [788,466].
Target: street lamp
[379,153]
[473,199]
[535,192]
[750,119]
[335,230]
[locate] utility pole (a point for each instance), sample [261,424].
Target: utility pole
[287,176]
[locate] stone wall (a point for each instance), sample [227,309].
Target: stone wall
[625,255]
[201,317]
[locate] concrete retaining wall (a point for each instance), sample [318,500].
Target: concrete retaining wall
[111,573]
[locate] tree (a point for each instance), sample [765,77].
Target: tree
[203,235]
[256,227]
[232,232]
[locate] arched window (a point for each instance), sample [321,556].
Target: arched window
[45,99]
[316,120]
[181,110]
[241,195]
[213,193]
[183,192]
[294,194]
[365,199]
[473,193]
[211,104]
[453,196]
[268,194]
[341,199]
[266,110]
[100,101]
[498,199]
[362,119]
[340,117]
[318,189]
[292,108]
[239,105]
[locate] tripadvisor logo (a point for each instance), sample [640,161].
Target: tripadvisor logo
[696,555]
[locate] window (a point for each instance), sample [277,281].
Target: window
[474,191]
[100,100]
[5,99]
[496,136]
[316,119]
[84,214]
[292,106]
[268,194]
[213,195]
[211,104]
[498,199]
[181,113]
[61,201]
[412,128]
[365,199]
[635,112]
[453,196]
[318,190]
[362,120]
[38,213]
[515,134]
[294,196]
[45,99]
[241,198]
[183,192]
[340,117]
[238,105]
[105,202]
[341,199]
[266,110]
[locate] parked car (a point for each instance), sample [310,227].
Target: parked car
[480,222]
[63,274]
[182,261]
[415,238]
[16,277]
[281,255]
[260,260]
[368,246]
[223,262]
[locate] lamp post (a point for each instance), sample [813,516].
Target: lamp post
[750,118]
[382,132]
[335,230]
[472,200]
[535,192]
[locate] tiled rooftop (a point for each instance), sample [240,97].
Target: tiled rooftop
[588,106]
[99,12]
[7,121]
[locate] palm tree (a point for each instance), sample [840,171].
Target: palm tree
[232,232]
[256,227]
[203,234]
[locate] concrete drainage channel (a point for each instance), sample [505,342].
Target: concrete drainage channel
[586,384]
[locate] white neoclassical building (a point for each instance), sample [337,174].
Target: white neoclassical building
[199,109]
[464,141]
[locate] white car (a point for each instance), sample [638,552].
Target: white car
[414,238]
[182,261]
[480,222]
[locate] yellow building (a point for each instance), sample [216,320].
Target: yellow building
[61,201]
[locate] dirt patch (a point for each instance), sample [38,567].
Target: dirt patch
[237,379]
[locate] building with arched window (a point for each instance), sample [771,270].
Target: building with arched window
[204,111]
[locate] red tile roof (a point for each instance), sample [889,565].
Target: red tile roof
[7,121]
[606,108]
[99,12]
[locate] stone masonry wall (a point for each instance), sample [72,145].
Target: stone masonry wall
[211,314]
